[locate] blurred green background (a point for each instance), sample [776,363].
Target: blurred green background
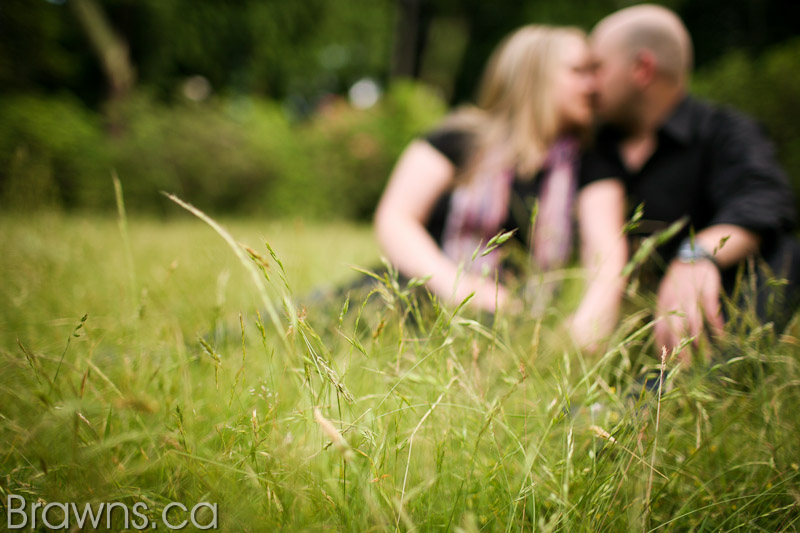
[299,108]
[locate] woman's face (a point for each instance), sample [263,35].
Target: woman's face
[574,84]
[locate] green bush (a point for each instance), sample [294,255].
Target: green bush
[767,87]
[203,153]
[353,151]
[52,153]
[238,154]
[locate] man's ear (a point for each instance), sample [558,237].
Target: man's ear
[645,67]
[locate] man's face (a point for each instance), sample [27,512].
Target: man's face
[615,93]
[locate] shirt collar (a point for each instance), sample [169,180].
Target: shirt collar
[678,125]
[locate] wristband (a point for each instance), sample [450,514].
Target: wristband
[692,252]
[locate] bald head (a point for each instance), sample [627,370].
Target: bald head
[649,27]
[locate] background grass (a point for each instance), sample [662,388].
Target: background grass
[382,410]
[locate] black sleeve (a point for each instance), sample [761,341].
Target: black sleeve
[596,166]
[746,184]
[455,145]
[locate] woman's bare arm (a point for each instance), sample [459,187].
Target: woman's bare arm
[421,176]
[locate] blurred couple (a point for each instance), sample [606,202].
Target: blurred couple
[571,132]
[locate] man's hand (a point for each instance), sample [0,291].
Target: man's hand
[693,290]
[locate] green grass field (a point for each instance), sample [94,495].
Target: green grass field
[197,376]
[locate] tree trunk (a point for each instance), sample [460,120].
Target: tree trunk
[406,39]
[111,50]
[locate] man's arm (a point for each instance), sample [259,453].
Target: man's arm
[751,198]
[728,243]
[690,291]
[604,252]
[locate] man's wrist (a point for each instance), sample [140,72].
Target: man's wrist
[691,252]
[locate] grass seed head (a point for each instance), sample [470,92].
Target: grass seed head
[603,434]
[333,434]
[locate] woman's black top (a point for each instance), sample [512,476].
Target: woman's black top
[457,147]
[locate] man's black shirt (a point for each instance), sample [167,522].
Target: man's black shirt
[711,164]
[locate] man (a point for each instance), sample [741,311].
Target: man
[683,159]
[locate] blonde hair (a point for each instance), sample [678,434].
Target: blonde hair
[516,110]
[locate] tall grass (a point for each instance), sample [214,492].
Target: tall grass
[379,410]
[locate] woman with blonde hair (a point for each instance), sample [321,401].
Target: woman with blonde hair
[483,170]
